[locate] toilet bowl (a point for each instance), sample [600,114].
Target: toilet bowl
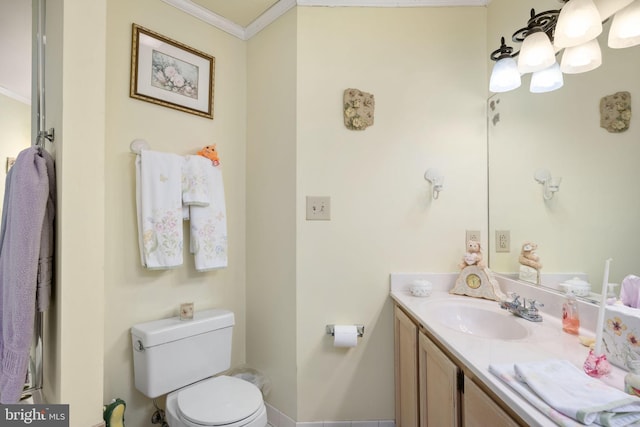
[186,359]
[218,401]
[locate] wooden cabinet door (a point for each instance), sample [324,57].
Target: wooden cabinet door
[479,410]
[438,389]
[406,366]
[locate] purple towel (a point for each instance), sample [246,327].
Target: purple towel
[630,291]
[24,219]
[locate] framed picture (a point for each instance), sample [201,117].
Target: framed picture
[169,73]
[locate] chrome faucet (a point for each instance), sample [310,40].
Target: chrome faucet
[520,309]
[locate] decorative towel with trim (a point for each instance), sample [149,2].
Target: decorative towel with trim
[570,391]
[159,208]
[25,217]
[195,186]
[208,226]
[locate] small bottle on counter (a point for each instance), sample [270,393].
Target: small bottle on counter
[570,315]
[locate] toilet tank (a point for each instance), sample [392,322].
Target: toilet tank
[171,353]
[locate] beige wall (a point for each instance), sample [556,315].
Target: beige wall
[287,83]
[15,122]
[430,96]
[75,108]
[271,208]
[133,294]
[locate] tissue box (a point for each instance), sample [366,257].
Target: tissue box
[621,334]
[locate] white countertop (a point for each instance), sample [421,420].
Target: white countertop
[545,340]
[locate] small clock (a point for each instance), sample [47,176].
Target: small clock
[473,281]
[477,282]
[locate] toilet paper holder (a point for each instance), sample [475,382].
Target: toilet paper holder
[331,330]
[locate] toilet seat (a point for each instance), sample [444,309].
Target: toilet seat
[219,401]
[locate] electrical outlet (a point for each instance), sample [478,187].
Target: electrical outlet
[472,235]
[318,208]
[503,241]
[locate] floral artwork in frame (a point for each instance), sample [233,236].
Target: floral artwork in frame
[171,74]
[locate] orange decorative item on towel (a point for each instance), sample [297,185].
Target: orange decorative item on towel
[210,153]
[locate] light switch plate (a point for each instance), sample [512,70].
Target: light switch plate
[318,208]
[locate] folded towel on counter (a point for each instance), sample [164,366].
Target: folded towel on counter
[567,389]
[159,208]
[630,291]
[208,226]
[507,374]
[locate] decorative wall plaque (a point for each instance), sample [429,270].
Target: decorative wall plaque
[615,112]
[358,109]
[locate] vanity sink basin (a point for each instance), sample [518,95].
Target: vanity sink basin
[478,320]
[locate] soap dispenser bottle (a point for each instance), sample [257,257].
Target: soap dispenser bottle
[570,316]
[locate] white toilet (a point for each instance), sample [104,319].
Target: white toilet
[180,357]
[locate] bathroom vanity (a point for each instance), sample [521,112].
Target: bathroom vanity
[445,343]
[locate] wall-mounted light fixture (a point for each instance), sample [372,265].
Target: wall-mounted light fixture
[574,28]
[437,181]
[551,185]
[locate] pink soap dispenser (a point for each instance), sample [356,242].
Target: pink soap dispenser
[570,316]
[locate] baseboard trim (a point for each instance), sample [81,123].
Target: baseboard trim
[277,418]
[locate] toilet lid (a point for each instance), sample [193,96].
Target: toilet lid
[219,400]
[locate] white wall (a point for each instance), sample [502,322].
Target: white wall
[133,294]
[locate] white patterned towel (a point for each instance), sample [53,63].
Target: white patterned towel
[567,390]
[159,208]
[208,242]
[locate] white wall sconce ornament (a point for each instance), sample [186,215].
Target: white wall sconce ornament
[358,109]
[551,185]
[437,181]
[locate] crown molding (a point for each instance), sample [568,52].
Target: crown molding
[283,6]
[391,3]
[270,15]
[14,95]
[209,17]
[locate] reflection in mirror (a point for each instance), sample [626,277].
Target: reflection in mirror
[15,82]
[596,215]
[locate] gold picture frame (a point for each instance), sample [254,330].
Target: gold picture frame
[171,74]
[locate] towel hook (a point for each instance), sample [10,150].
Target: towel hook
[137,145]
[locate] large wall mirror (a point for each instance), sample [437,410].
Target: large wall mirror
[595,215]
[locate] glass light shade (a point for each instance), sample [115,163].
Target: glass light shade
[582,58]
[625,28]
[536,54]
[579,21]
[609,7]
[505,76]
[547,80]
